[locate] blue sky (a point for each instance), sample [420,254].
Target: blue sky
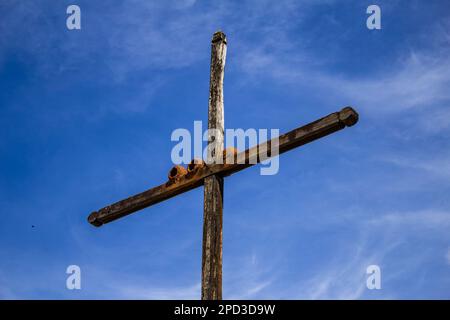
[86,118]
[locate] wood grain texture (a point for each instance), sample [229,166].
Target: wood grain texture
[288,141]
[213,185]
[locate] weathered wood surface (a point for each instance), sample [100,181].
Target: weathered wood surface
[213,184]
[212,238]
[295,138]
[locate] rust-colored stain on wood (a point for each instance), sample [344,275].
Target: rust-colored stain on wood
[295,138]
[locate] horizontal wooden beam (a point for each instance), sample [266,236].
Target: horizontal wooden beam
[295,138]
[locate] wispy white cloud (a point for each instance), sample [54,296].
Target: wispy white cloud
[141,35]
[145,292]
[437,166]
[372,238]
[419,81]
[436,121]
[416,219]
[345,277]
[247,277]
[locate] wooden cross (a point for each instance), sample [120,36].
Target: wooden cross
[211,176]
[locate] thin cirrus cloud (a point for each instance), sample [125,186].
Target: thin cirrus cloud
[147,36]
[420,80]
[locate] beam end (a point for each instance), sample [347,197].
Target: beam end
[348,116]
[92,219]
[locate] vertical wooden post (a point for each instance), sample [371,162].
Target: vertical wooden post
[213,192]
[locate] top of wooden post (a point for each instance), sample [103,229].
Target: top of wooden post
[219,36]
